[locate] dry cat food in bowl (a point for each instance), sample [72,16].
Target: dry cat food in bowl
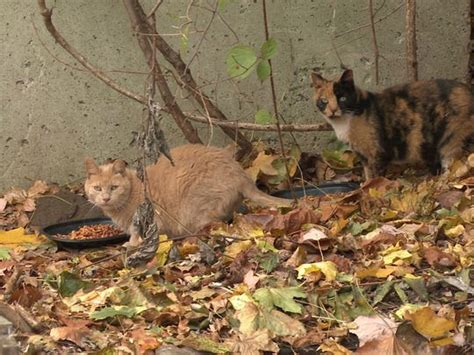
[87,233]
[94,231]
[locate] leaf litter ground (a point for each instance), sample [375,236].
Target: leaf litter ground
[385,269]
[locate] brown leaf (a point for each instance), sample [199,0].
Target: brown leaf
[77,335]
[315,336]
[449,199]
[436,258]
[251,280]
[26,295]
[39,187]
[298,258]
[29,205]
[254,344]
[293,220]
[3,204]
[15,196]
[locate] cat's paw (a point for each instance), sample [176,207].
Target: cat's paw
[134,242]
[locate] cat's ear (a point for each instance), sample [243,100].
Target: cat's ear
[91,167]
[318,80]
[347,78]
[119,166]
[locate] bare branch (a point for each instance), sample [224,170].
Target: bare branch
[374,41]
[155,8]
[187,81]
[263,127]
[97,72]
[340,34]
[410,27]
[139,24]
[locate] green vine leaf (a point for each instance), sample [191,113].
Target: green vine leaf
[263,117]
[241,61]
[268,50]
[263,70]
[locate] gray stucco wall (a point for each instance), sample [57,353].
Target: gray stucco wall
[52,115]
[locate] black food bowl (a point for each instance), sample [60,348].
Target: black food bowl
[56,231]
[324,189]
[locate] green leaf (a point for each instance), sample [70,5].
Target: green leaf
[269,261]
[263,70]
[263,117]
[268,49]
[382,291]
[69,284]
[5,254]
[110,312]
[241,61]
[357,228]
[360,307]
[280,297]
[417,284]
[202,343]
[400,293]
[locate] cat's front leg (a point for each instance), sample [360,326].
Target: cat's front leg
[372,169]
[135,238]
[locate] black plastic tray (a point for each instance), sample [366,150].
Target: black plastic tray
[66,227]
[324,189]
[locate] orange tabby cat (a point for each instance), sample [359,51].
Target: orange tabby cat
[205,185]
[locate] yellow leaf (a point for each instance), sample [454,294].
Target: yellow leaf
[332,347]
[328,268]
[235,248]
[263,162]
[338,226]
[256,233]
[393,254]
[455,231]
[17,236]
[380,273]
[163,249]
[427,323]
[407,308]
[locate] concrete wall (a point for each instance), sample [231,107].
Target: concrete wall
[52,115]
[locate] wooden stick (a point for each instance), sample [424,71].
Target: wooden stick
[374,41]
[410,28]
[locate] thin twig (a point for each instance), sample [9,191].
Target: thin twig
[374,41]
[369,24]
[47,14]
[154,9]
[139,24]
[261,127]
[410,27]
[275,106]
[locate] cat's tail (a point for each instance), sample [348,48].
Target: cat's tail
[252,193]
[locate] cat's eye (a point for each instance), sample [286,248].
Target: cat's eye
[322,103]
[342,99]
[113,187]
[97,188]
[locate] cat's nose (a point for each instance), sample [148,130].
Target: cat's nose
[106,199]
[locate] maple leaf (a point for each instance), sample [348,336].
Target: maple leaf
[280,297]
[254,344]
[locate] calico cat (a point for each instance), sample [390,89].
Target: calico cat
[205,184]
[431,121]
